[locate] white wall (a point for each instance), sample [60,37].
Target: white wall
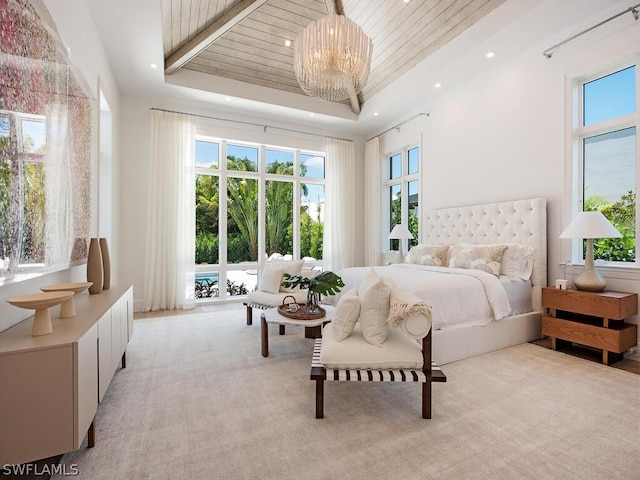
[75,25]
[135,153]
[502,136]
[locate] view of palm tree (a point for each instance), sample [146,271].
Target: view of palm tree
[242,212]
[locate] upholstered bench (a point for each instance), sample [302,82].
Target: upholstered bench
[403,359]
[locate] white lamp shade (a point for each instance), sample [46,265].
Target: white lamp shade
[590,225]
[399,232]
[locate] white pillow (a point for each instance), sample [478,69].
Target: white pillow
[410,313]
[346,315]
[480,257]
[271,278]
[433,255]
[374,308]
[517,262]
[288,266]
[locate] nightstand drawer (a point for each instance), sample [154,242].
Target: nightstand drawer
[612,305]
[618,338]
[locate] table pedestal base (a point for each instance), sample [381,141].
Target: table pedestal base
[41,323]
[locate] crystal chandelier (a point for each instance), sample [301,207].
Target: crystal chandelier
[332,58]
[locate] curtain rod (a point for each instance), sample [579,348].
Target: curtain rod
[634,11]
[397,127]
[252,124]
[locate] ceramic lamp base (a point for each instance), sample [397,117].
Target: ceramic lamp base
[590,280]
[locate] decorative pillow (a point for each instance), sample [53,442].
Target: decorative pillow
[517,262]
[271,278]
[374,308]
[480,257]
[346,315]
[422,254]
[409,312]
[292,267]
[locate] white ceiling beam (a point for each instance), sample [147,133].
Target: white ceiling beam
[333,8]
[210,34]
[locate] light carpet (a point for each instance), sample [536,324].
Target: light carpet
[198,401]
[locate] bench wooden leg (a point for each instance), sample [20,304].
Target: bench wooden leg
[249,315]
[264,333]
[319,398]
[426,399]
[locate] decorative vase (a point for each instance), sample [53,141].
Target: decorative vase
[94,266]
[106,264]
[313,300]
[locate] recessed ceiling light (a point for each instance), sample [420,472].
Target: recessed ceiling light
[153,65]
[287,43]
[312,115]
[437,85]
[490,54]
[406,1]
[228,99]
[375,114]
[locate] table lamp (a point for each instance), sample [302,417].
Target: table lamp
[590,225]
[400,232]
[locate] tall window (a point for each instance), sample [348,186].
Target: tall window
[402,193]
[22,189]
[262,202]
[607,158]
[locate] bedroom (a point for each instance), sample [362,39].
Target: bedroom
[498,136]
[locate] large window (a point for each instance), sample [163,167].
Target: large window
[262,202]
[402,193]
[22,189]
[605,160]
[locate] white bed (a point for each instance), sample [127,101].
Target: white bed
[491,326]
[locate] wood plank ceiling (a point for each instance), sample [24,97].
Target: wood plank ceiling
[244,40]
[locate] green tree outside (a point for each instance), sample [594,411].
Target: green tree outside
[242,221]
[622,215]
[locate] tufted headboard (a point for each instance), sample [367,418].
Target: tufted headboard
[518,221]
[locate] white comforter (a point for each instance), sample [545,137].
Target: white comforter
[459,297]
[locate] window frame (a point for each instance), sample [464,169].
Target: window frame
[223,267]
[576,133]
[403,180]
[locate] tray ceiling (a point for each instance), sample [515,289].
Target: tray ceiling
[244,40]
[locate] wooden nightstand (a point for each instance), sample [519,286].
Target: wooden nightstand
[595,319]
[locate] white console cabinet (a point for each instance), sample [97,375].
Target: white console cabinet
[50,385]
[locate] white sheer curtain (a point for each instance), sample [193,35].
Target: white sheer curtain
[339,216]
[373,215]
[170,262]
[59,224]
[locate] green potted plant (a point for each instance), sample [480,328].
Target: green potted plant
[325,283]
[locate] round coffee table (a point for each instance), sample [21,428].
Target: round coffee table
[312,328]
